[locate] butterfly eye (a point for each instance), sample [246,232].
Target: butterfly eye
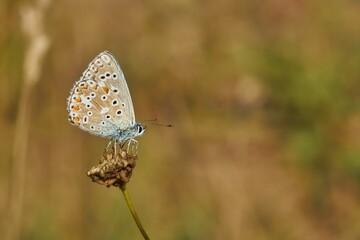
[140,129]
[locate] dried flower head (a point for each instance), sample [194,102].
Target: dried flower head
[115,169]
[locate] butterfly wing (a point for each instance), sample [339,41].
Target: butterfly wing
[100,102]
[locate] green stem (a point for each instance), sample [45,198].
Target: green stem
[133,212]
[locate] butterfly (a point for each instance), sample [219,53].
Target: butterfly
[100,102]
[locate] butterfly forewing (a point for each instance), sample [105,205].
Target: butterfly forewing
[100,102]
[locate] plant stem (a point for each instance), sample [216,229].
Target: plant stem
[132,210]
[32,19]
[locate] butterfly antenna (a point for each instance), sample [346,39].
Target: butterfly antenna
[155,123]
[150,120]
[162,125]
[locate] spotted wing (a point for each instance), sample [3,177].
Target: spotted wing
[100,102]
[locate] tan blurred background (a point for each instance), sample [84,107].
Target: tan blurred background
[264,96]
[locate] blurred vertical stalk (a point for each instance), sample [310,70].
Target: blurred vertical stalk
[133,211]
[32,23]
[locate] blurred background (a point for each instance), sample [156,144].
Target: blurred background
[264,96]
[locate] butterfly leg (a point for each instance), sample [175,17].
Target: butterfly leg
[122,144]
[135,147]
[128,146]
[109,144]
[133,144]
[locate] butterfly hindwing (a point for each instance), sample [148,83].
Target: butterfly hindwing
[100,102]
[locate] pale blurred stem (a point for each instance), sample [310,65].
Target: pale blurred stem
[19,164]
[38,43]
[132,210]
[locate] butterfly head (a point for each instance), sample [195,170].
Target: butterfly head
[140,129]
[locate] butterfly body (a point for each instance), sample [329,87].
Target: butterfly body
[130,133]
[100,102]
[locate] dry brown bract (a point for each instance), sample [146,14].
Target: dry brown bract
[114,169]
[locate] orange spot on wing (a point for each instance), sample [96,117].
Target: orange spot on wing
[77,98]
[76,120]
[75,107]
[78,91]
[85,86]
[105,88]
